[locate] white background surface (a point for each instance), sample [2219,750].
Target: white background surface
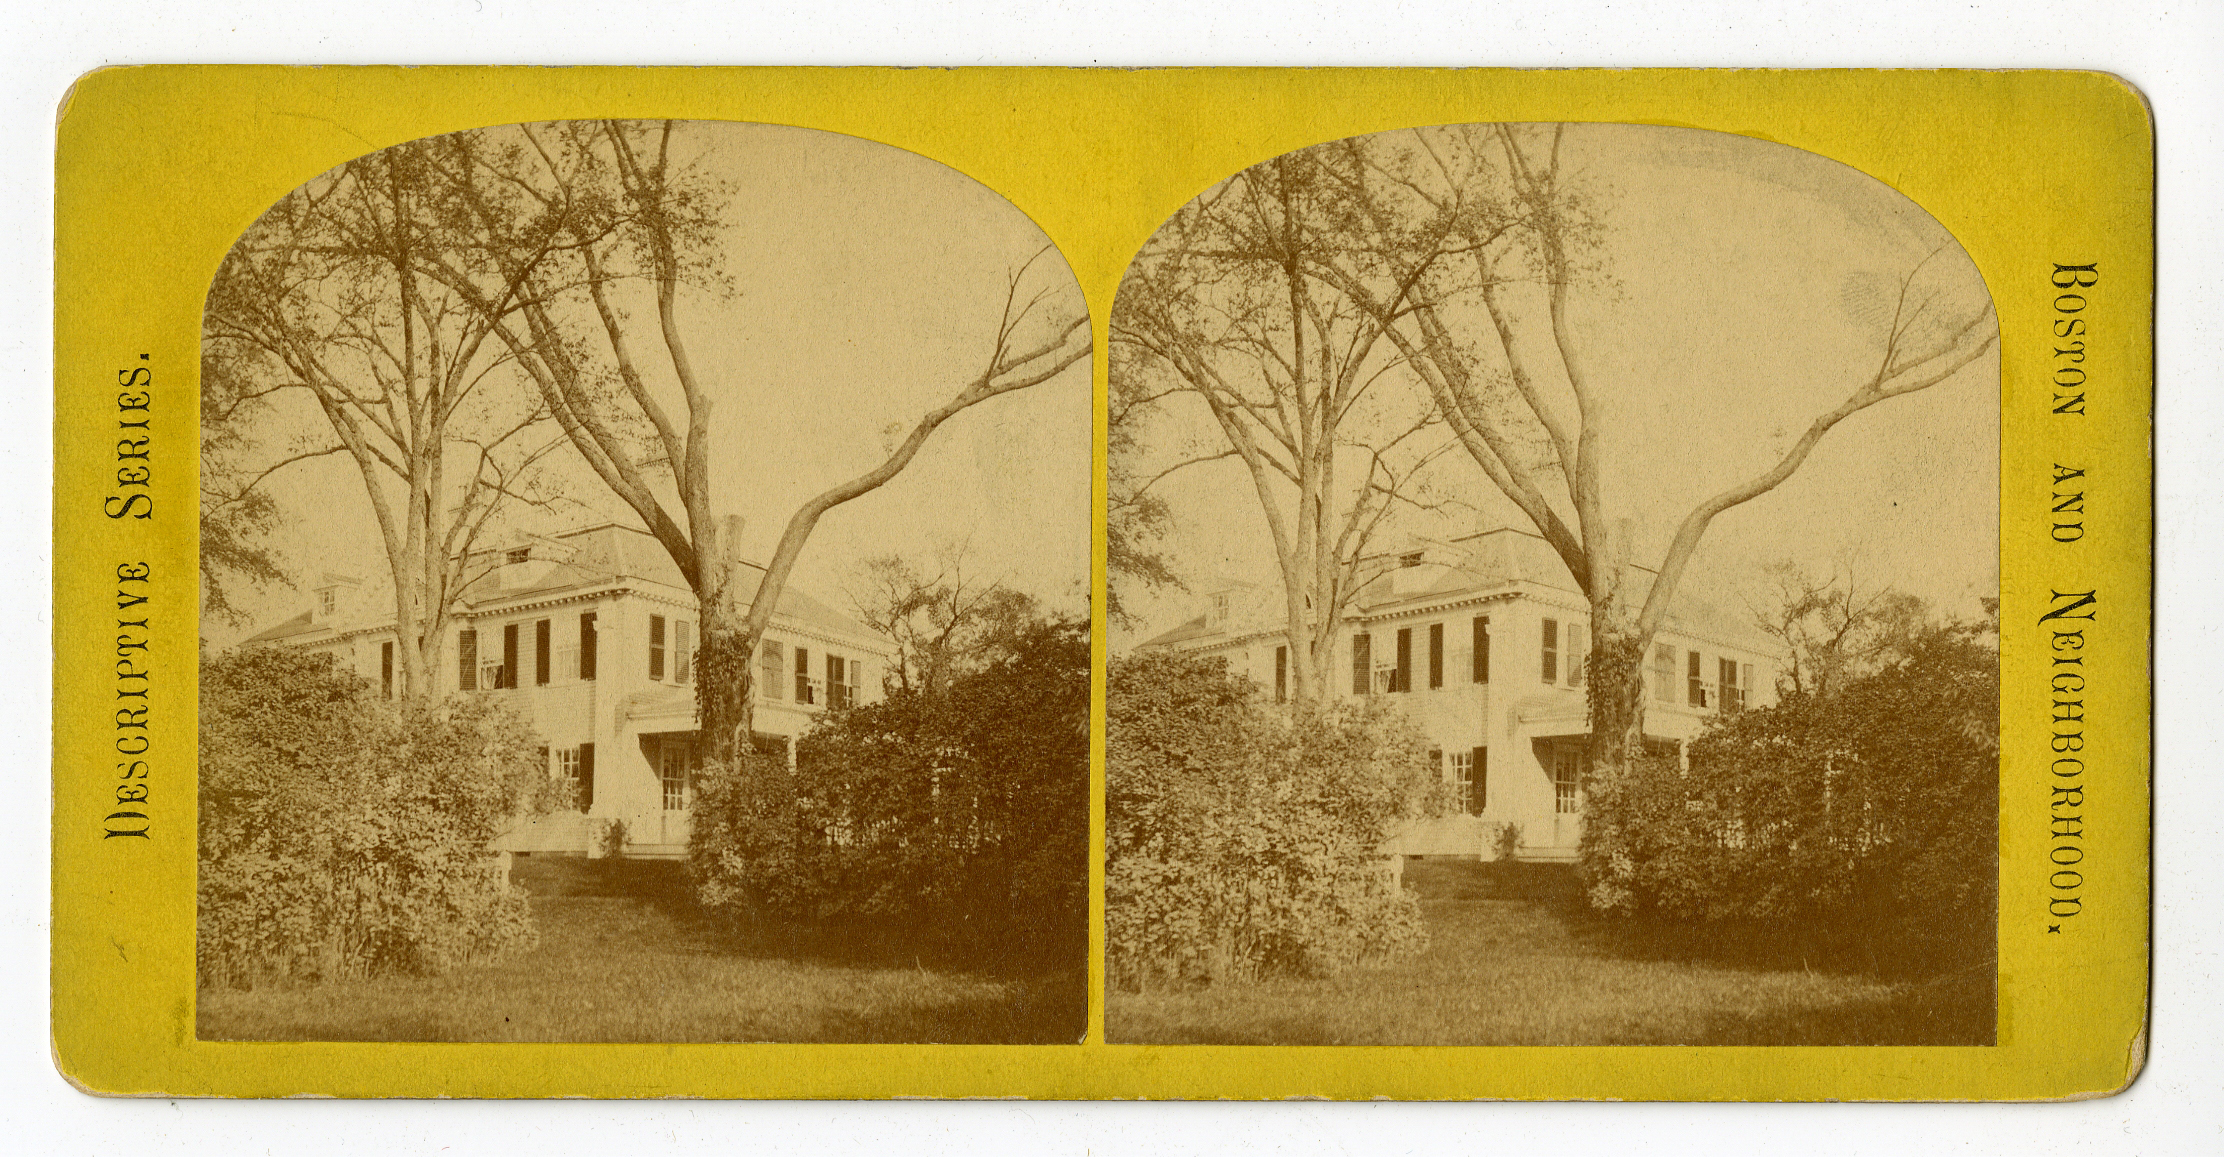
[2170,51]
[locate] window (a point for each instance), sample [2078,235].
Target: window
[521,554]
[508,675]
[467,660]
[1745,685]
[803,676]
[386,670]
[683,651]
[1401,678]
[1552,650]
[1733,697]
[567,769]
[1362,664]
[1436,655]
[1664,672]
[1576,655]
[541,639]
[770,673]
[1281,674]
[1467,784]
[1567,781]
[1695,687]
[1220,608]
[672,767]
[837,682]
[1409,558]
[656,646]
[1479,658]
[856,679]
[326,600]
[588,638]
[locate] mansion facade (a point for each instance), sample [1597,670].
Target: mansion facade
[591,635]
[1482,641]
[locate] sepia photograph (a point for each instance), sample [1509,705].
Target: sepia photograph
[1554,583]
[645,578]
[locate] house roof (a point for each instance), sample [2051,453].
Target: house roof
[1505,561]
[599,556]
[1193,629]
[300,624]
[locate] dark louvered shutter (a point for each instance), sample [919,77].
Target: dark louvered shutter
[540,652]
[508,678]
[587,637]
[1479,779]
[467,660]
[586,776]
[386,669]
[1480,659]
[1362,661]
[1403,679]
[656,646]
[1281,674]
[1436,655]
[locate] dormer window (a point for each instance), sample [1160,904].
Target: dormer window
[327,599]
[1410,558]
[521,554]
[1220,607]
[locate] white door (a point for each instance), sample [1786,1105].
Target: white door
[1567,796]
[678,790]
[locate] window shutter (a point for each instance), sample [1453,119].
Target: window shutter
[587,639]
[1745,683]
[1551,650]
[1402,680]
[586,776]
[1479,776]
[386,669]
[802,675]
[467,660]
[683,651]
[837,684]
[508,677]
[1576,655]
[1362,663]
[656,646]
[1436,655]
[540,652]
[1281,674]
[1480,659]
[1695,687]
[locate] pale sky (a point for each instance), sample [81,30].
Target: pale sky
[1750,276]
[868,283]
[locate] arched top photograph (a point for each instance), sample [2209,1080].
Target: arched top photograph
[1518,495]
[705,505]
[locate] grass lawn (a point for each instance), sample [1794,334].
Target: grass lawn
[1510,962]
[621,958]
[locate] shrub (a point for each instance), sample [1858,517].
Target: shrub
[342,836]
[1867,818]
[1242,839]
[955,819]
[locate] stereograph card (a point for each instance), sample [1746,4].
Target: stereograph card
[1102,584]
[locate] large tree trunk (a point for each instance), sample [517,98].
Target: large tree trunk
[724,706]
[1616,693]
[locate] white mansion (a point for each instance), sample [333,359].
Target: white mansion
[1483,641]
[591,634]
